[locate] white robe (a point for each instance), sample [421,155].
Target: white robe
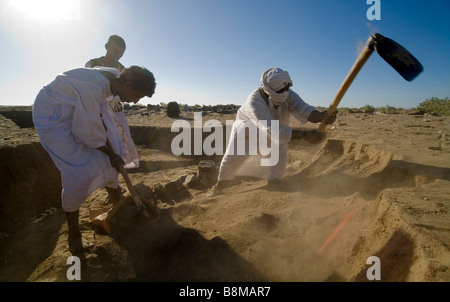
[122,130]
[67,116]
[125,144]
[256,109]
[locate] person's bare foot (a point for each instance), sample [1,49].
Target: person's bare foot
[75,244]
[74,237]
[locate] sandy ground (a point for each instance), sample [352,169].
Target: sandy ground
[378,185]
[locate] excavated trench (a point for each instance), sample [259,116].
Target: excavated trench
[27,169]
[30,183]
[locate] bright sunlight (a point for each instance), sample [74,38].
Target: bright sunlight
[49,10]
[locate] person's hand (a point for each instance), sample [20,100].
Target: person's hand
[116,160]
[318,116]
[328,120]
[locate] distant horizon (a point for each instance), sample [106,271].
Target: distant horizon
[238,105]
[214,52]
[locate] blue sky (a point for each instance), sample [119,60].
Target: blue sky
[214,51]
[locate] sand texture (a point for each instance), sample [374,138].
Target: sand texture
[377,185]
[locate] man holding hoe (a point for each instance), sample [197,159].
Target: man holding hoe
[115,48]
[74,124]
[273,101]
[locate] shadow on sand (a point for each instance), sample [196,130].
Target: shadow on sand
[396,258]
[161,250]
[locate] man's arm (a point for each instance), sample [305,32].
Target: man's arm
[314,117]
[317,117]
[114,158]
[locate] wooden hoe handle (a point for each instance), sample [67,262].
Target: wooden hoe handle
[141,207]
[360,61]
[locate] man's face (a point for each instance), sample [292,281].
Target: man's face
[130,95]
[114,51]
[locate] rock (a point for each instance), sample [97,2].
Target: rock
[208,172]
[182,178]
[144,191]
[420,112]
[173,187]
[193,181]
[161,194]
[173,110]
[172,192]
[436,148]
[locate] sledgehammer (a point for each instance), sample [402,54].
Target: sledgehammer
[392,52]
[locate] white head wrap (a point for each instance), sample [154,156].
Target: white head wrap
[274,79]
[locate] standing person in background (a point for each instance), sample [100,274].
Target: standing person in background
[115,48]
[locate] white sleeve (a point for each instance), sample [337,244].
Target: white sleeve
[298,108]
[259,111]
[87,125]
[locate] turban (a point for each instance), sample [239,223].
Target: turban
[273,80]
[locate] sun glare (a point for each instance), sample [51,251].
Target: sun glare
[49,10]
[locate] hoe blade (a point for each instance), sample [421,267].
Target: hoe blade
[398,57]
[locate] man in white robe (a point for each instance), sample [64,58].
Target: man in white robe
[115,48]
[74,123]
[273,101]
